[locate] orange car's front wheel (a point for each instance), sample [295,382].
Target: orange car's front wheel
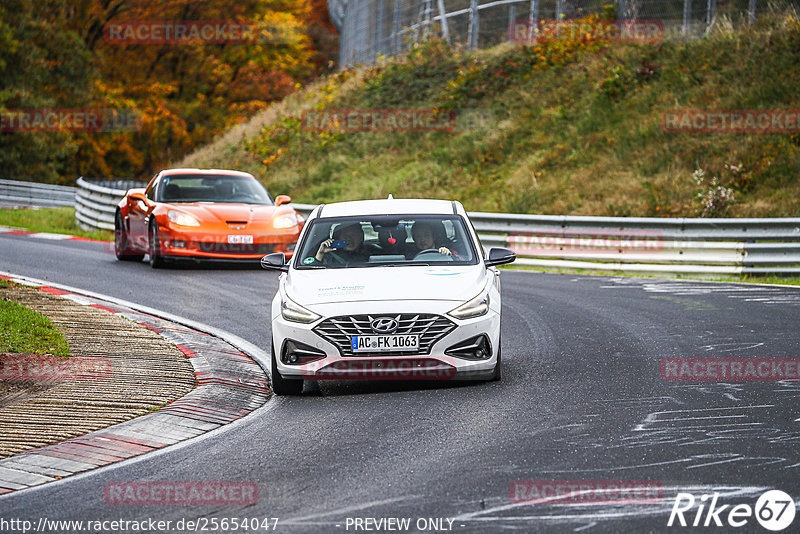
[122,246]
[154,247]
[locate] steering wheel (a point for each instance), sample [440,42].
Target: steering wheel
[434,251]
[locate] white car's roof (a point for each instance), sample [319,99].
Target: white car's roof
[392,206]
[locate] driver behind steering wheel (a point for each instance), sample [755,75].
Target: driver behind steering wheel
[423,235]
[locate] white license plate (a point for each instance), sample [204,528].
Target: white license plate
[384,343]
[240,240]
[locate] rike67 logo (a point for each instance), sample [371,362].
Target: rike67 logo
[774,510]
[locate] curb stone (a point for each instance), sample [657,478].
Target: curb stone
[230,385]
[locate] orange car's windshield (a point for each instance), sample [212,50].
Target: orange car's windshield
[212,188]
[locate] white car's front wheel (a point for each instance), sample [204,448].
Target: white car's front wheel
[280,385]
[497,367]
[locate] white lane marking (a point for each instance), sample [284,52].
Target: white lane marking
[46,235]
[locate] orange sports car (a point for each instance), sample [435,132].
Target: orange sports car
[203,215]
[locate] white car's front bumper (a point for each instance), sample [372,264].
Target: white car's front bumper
[431,364]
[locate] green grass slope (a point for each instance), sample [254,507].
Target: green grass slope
[572,125]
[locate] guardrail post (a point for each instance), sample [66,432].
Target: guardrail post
[751,11]
[559,10]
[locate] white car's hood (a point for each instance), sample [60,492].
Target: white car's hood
[324,286]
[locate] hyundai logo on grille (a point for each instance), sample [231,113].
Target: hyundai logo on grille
[384,325]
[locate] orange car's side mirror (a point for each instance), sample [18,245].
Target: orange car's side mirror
[280,200]
[139,198]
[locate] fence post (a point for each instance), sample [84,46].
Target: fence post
[622,9]
[533,19]
[559,10]
[443,22]
[474,24]
[379,29]
[711,13]
[751,11]
[512,15]
[395,27]
[687,15]
[425,18]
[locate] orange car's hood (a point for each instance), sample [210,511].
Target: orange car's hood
[213,212]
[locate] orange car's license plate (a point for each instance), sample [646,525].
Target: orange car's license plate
[240,240]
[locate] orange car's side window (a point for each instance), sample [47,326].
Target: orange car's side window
[151,191]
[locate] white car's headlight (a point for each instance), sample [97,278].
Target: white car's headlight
[183,219]
[286,220]
[292,311]
[472,308]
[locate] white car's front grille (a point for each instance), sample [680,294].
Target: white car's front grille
[430,328]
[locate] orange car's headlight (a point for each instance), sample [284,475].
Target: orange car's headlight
[286,220]
[183,219]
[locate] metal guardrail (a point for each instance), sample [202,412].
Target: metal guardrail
[642,244]
[18,193]
[96,201]
[617,244]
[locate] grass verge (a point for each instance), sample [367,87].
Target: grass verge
[24,330]
[50,220]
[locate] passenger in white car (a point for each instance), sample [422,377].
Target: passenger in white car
[353,251]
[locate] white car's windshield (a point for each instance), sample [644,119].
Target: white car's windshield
[381,240]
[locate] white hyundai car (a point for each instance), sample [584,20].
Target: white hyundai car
[386,289]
